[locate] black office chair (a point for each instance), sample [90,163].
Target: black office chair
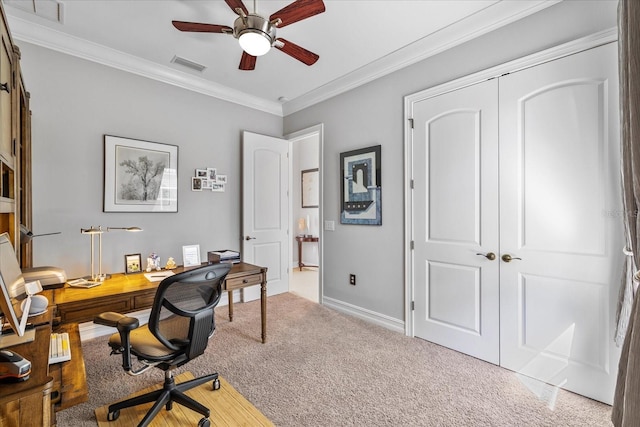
[180,325]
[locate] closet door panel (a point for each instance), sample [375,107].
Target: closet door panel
[455,218]
[559,192]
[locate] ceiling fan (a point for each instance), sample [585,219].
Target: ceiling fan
[257,34]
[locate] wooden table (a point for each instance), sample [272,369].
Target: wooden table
[300,240]
[124,293]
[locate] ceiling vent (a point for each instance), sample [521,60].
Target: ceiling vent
[189,64]
[48,9]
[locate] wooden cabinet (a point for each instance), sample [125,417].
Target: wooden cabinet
[6,89]
[15,145]
[50,388]
[28,403]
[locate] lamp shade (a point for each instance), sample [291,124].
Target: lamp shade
[92,230]
[254,42]
[131,229]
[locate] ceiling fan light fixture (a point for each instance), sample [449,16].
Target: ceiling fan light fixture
[254,42]
[254,33]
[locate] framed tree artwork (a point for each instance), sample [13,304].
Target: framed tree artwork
[139,176]
[361,189]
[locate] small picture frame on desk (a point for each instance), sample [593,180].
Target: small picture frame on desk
[132,263]
[191,255]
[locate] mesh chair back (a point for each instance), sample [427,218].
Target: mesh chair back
[182,317]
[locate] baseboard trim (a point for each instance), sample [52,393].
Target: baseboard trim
[365,314]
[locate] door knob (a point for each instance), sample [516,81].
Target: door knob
[509,258]
[249,238]
[490,256]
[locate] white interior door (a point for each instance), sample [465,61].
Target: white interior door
[455,218]
[265,209]
[559,186]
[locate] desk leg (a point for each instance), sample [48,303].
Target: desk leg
[263,310]
[300,255]
[230,295]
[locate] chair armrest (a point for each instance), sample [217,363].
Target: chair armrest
[117,320]
[125,325]
[109,318]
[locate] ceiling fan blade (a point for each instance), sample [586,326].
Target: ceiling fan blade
[201,28]
[297,52]
[235,4]
[297,11]
[247,62]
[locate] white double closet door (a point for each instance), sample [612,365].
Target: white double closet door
[523,166]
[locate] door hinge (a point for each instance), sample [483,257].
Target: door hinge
[412,245]
[413,305]
[411,123]
[411,184]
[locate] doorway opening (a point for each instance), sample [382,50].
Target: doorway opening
[306,213]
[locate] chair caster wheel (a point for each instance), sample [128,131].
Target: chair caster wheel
[204,422]
[112,416]
[216,384]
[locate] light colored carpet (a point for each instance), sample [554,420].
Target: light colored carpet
[323,368]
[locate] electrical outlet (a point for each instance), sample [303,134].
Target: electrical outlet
[352,279]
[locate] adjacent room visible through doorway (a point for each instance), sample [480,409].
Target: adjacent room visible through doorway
[305,214]
[304,283]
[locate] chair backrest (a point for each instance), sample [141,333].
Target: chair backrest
[182,316]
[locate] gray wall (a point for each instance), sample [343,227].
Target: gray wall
[75,102]
[373,114]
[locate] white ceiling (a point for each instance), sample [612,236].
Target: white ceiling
[357,40]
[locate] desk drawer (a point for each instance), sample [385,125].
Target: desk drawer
[86,312]
[243,282]
[144,301]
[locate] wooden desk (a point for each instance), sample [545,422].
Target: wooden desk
[124,293]
[300,240]
[49,388]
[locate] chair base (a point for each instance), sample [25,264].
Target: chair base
[169,393]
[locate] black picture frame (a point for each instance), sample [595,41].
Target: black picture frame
[361,186]
[132,263]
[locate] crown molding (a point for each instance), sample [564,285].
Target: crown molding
[40,35]
[482,22]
